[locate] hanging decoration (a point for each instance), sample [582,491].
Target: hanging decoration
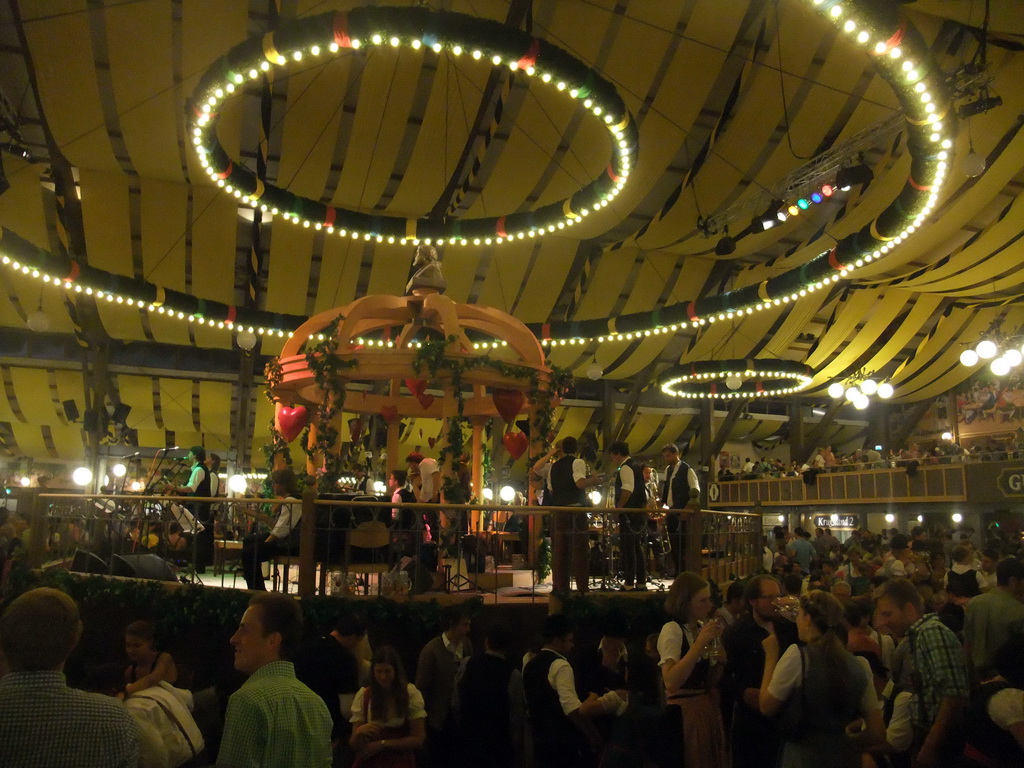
[390,414]
[355,429]
[416,387]
[291,421]
[509,403]
[730,379]
[378,27]
[515,443]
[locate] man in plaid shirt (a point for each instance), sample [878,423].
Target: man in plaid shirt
[42,721]
[941,679]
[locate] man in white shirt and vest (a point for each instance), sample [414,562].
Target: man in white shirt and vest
[680,482]
[631,500]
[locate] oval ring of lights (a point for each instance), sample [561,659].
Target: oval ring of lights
[761,378]
[904,61]
[421,29]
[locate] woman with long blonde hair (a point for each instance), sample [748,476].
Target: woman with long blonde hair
[824,689]
[690,661]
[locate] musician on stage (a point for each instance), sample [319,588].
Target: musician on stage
[680,481]
[631,500]
[198,485]
[282,539]
[566,485]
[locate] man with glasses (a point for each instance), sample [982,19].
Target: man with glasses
[752,735]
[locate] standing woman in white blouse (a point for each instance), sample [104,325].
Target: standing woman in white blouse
[388,717]
[827,689]
[690,660]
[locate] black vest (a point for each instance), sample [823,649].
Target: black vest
[967,581]
[984,735]
[638,498]
[680,485]
[564,492]
[550,724]
[203,489]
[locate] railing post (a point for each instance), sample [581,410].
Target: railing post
[693,520]
[37,531]
[307,541]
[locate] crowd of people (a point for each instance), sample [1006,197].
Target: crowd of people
[888,650]
[945,450]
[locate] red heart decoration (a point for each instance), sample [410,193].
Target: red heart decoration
[390,413]
[425,400]
[509,403]
[416,386]
[291,421]
[515,443]
[431,441]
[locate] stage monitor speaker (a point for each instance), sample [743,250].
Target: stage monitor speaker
[71,410]
[85,561]
[145,566]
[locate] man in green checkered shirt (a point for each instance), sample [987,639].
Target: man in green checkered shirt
[273,720]
[941,677]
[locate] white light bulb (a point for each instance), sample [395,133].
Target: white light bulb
[246,340]
[956,517]
[947,435]
[1013,357]
[38,322]
[861,403]
[507,493]
[853,394]
[999,366]
[890,518]
[733,382]
[82,476]
[836,390]
[986,349]
[969,358]
[237,484]
[885,390]
[869,387]
[595,498]
[974,164]
[595,371]
[119,470]
[488,494]
[379,487]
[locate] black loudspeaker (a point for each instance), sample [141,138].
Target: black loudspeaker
[120,414]
[147,566]
[85,561]
[71,410]
[92,422]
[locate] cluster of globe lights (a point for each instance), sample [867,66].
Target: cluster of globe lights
[860,394]
[1002,360]
[906,65]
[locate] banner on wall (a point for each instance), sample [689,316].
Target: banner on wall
[841,521]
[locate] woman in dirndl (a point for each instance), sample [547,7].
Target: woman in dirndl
[388,716]
[691,662]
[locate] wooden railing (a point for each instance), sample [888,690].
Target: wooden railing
[943,482]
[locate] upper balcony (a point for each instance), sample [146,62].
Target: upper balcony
[980,482]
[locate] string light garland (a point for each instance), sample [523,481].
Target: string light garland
[421,29]
[904,61]
[732,379]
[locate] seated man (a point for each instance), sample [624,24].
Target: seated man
[273,720]
[42,721]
